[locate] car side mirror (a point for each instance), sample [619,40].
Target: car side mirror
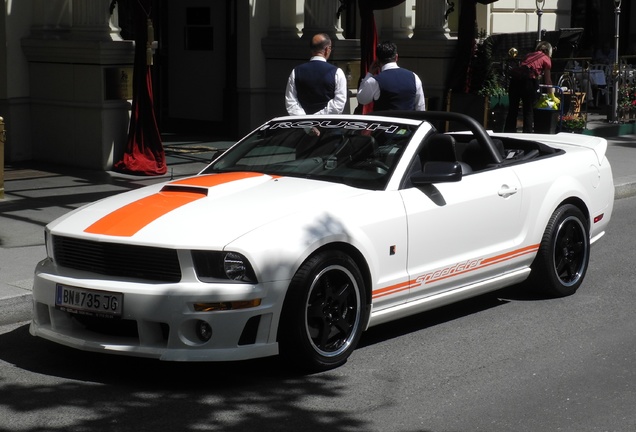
[437,172]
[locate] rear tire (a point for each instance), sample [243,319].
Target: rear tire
[562,261]
[324,312]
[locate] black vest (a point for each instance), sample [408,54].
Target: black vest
[397,90]
[315,84]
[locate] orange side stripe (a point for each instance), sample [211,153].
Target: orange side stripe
[393,289]
[127,220]
[486,263]
[508,255]
[403,286]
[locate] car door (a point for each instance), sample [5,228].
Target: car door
[461,232]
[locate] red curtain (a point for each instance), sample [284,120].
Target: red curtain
[144,152]
[368,32]
[369,35]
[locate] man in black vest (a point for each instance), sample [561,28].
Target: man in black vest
[316,87]
[388,86]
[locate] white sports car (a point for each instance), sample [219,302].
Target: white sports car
[312,229]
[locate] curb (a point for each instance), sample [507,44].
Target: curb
[626,188]
[15,309]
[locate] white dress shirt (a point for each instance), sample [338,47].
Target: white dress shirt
[334,106]
[370,89]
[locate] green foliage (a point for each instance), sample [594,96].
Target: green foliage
[492,87]
[484,77]
[627,97]
[574,123]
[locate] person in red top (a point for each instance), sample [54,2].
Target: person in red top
[524,85]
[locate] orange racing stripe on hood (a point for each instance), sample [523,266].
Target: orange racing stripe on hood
[129,219]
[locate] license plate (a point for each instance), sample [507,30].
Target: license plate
[102,304]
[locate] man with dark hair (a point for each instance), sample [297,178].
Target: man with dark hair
[316,87]
[389,86]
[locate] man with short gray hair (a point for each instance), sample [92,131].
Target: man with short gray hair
[316,87]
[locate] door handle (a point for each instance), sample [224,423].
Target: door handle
[507,191]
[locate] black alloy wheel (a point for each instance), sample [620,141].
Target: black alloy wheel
[324,312]
[564,253]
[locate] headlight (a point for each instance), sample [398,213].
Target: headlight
[212,266]
[48,247]
[235,266]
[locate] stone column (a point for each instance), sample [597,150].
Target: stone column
[283,19]
[320,17]
[430,22]
[79,106]
[92,21]
[431,51]
[52,18]
[397,22]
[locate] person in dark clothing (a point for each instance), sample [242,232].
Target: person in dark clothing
[388,86]
[316,87]
[524,86]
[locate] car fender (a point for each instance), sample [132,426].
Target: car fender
[564,188]
[298,236]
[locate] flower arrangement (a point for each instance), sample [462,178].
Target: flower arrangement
[627,97]
[572,122]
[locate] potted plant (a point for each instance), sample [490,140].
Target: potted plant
[486,92]
[627,100]
[572,123]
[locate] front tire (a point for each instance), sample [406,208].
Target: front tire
[324,312]
[561,263]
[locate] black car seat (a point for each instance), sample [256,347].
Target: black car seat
[441,148]
[475,155]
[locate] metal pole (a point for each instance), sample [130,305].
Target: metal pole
[2,139]
[615,71]
[539,4]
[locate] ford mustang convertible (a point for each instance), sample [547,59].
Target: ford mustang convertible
[312,229]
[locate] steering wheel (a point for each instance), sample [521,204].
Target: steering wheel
[374,164]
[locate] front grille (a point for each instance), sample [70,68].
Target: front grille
[112,259]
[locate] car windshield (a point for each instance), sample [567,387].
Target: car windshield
[357,153]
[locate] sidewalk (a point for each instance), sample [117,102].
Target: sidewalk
[35,195]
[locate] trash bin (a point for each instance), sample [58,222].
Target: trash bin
[545,120]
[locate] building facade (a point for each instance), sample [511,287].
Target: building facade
[66,65]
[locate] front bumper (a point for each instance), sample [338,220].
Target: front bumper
[159,320]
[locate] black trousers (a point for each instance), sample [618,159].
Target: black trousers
[524,90]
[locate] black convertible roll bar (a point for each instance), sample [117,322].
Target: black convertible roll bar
[471,124]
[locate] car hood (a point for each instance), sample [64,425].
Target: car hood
[205,211]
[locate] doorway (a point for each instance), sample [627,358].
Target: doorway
[192,63]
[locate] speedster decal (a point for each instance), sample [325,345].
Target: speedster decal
[452,271]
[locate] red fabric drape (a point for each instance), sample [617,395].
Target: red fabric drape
[369,34]
[144,152]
